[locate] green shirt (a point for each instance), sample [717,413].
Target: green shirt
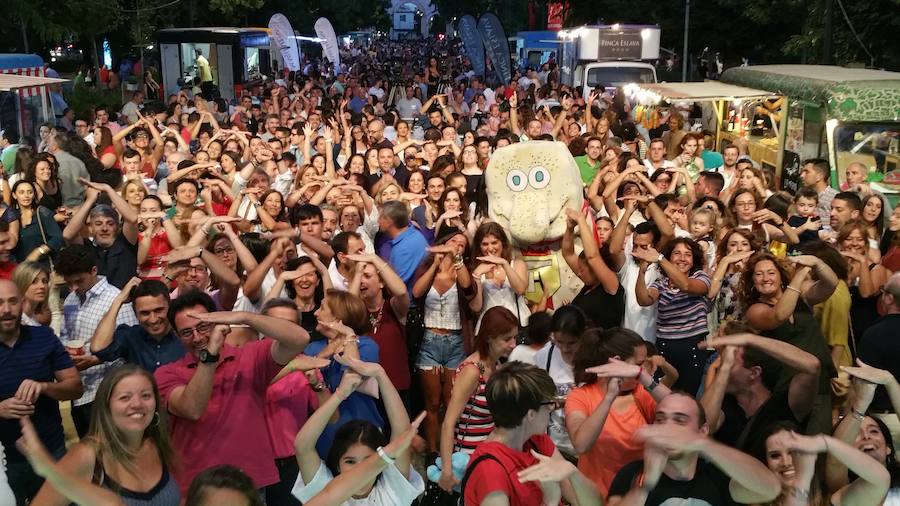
[8,158]
[587,170]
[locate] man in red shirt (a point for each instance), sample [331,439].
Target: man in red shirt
[216,394]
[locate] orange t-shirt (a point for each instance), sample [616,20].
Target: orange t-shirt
[616,445]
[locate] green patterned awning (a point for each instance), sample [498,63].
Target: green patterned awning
[847,94]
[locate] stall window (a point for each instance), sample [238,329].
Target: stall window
[875,145]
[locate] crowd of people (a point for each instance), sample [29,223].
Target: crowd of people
[300,297]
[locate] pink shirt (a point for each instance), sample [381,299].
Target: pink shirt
[234,416]
[289,402]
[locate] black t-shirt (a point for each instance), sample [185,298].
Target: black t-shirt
[746,434]
[605,310]
[118,262]
[709,487]
[879,347]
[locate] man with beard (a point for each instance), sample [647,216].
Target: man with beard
[149,344]
[37,373]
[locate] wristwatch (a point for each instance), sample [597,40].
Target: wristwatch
[208,358]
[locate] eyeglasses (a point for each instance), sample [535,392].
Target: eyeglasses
[222,251]
[555,403]
[202,329]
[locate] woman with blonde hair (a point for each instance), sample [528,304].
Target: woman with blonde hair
[33,281]
[134,192]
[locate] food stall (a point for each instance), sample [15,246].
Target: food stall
[842,114]
[731,112]
[24,95]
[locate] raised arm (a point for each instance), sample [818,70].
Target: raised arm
[190,401]
[72,232]
[305,442]
[103,334]
[607,277]
[765,317]
[290,338]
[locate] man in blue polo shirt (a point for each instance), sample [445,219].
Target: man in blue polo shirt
[36,373]
[151,343]
[408,245]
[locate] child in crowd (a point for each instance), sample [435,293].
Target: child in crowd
[704,229]
[806,220]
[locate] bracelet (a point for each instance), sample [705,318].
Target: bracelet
[652,386]
[789,287]
[199,251]
[855,413]
[384,456]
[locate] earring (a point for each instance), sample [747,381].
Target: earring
[156,419]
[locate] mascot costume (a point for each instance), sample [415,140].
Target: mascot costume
[529,186]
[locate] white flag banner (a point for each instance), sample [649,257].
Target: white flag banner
[284,38]
[325,31]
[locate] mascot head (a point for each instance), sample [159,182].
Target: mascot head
[529,186]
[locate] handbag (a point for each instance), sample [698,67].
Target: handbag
[55,279]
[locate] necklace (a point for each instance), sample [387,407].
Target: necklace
[375,319]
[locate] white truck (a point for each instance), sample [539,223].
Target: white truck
[608,56]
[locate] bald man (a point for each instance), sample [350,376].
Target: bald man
[879,347]
[36,374]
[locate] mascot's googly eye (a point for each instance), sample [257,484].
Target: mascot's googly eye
[539,177]
[516,180]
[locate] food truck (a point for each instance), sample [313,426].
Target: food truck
[530,50]
[608,56]
[25,94]
[238,57]
[790,113]
[842,114]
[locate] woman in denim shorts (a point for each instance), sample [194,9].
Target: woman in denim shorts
[449,293]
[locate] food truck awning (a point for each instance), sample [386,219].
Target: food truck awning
[10,82]
[695,92]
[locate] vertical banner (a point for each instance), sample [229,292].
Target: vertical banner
[496,45]
[325,31]
[471,39]
[284,38]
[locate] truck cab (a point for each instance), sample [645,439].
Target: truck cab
[612,74]
[608,56]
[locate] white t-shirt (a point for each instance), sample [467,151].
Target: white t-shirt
[391,488]
[6,494]
[564,378]
[523,353]
[637,318]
